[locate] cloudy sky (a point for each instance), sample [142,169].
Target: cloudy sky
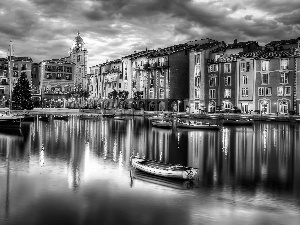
[45,29]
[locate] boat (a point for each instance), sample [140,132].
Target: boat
[163,181]
[108,115]
[7,119]
[119,118]
[61,117]
[45,118]
[237,122]
[10,121]
[162,124]
[89,117]
[156,117]
[197,125]
[164,170]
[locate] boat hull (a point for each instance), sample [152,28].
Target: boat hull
[164,170]
[10,123]
[199,126]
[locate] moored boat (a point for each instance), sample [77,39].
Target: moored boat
[237,122]
[45,118]
[162,124]
[163,181]
[198,126]
[164,170]
[10,121]
[61,117]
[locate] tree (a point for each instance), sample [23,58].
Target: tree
[21,95]
[113,95]
[123,95]
[136,97]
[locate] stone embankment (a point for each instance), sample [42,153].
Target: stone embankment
[133,112]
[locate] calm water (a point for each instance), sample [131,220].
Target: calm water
[78,172]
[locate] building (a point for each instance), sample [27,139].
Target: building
[203,77]
[17,66]
[79,56]
[57,80]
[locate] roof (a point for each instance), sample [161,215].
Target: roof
[283,42]
[268,54]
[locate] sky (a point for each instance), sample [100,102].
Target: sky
[111,29]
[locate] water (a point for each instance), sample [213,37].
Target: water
[78,172]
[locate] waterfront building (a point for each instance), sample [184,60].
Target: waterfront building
[17,65]
[92,83]
[203,78]
[275,81]
[79,56]
[223,73]
[137,83]
[111,81]
[57,80]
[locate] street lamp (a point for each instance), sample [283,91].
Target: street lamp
[178,102]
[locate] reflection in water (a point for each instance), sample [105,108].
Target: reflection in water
[251,167]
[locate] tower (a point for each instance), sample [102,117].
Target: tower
[79,56]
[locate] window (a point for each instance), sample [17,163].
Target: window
[245,92]
[284,64]
[162,82]
[227,105]
[265,65]
[197,93]
[227,67]
[78,58]
[287,91]
[243,67]
[227,80]
[215,67]
[268,91]
[161,93]
[24,66]
[48,75]
[212,93]
[284,78]
[212,81]
[151,93]
[245,79]
[197,81]
[120,85]
[247,66]
[197,59]
[58,76]
[280,91]
[261,91]
[264,78]
[68,77]
[227,93]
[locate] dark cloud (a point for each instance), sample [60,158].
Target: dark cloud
[292,18]
[44,29]
[248,17]
[275,6]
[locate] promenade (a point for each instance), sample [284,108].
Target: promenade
[133,112]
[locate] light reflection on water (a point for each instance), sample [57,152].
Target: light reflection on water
[77,172]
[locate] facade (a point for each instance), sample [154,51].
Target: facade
[208,76]
[57,80]
[79,56]
[203,77]
[17,65]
